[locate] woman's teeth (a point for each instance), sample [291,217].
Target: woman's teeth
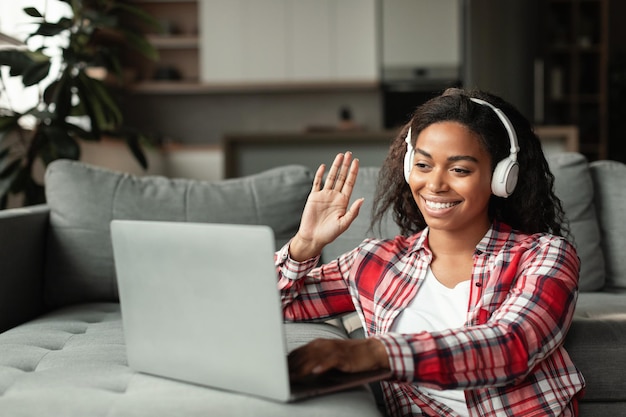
[439,206]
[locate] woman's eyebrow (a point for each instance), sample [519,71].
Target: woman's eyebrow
[462,158]
[450,158]
[423,152]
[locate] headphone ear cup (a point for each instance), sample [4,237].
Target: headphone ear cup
[408,162]
[505,177]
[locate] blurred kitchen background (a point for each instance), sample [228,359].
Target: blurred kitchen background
[243,85]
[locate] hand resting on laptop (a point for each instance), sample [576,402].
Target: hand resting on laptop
[323,355]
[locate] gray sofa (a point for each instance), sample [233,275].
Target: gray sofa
[61,342]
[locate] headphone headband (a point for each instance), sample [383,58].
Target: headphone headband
[507,125]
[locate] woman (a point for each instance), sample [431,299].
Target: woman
[469,307]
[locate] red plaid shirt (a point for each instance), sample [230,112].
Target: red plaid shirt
[509,356]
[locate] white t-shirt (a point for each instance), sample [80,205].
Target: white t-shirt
[434,308]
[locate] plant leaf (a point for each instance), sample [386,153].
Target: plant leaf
[4,153]
[109,104]
[41,115]
[142,45]
[8,123]
[17,60]
[79,132]
[104,106]
[65,22]
[6,184]
[9,171]
[57,144]
[19,180]
[99,19]
[33,193]
[32,12]
[49,29]
[132,140]
[144,18]
[49,93]
[61,95]
[35,73]
[92,112]
[8,174]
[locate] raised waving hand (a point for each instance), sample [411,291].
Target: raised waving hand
[326,214]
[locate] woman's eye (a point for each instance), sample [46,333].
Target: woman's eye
[462,171]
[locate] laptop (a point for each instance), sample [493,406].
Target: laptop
[200,304]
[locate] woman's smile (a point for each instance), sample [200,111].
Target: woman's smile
[439,205]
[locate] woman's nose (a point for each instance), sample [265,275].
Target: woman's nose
[436,182]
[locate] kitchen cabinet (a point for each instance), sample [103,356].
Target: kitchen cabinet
[258,41]
[243,40]
[356,54]
[421,34]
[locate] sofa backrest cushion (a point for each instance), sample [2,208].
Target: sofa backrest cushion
[574,186]
[609,178]
[84,199]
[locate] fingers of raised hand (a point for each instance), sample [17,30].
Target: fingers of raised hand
[339,171]
[335,171]
[342,174]
[317,181]
[350,179]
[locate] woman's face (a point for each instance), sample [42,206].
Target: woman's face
[451,179]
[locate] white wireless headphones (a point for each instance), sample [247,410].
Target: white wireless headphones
[506,173]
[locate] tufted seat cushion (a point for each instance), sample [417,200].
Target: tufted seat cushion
[72,362]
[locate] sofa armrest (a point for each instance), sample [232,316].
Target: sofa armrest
[22,253]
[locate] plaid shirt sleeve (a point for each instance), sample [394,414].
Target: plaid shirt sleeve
[309,293]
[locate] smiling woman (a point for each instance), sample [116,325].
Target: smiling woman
[468,308]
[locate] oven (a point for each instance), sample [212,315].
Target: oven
[405,88]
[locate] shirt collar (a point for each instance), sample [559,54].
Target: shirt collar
[497,235]
[492,242]
[418,241]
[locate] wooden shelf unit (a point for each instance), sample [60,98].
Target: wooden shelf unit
[178,42]
[191,88]
[576,70]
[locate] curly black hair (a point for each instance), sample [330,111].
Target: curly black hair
[532,208]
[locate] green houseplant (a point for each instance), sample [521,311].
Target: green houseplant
[75,105]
